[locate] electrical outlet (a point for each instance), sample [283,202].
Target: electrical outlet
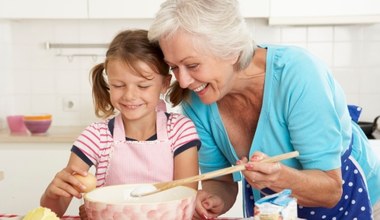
[70,104]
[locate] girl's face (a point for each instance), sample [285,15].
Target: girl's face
[135,96]
[211,78]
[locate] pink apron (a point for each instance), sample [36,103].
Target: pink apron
[140,161]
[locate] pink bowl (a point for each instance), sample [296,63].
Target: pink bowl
[37,127]
[16,124]
[115,202]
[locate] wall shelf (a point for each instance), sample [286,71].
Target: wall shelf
[49,45]
[71,50]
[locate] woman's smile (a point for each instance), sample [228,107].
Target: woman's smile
[200,88]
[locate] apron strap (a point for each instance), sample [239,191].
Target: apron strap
[249,201]
[355,112]
[161,124]
[119,134]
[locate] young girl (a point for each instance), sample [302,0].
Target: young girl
[141,144]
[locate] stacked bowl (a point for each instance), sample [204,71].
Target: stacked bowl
[38,124]
[16,124]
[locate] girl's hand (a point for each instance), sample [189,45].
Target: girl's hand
[260,175]
[82,213]
[65,184]
[208,206]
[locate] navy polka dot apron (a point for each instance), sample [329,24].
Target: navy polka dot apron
[354,203]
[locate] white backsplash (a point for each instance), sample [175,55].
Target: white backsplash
[37,80]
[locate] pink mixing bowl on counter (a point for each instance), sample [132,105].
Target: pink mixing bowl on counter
[116,203]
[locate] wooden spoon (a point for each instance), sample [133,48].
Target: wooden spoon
[145,190]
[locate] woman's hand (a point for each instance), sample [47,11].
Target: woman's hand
[208,206]
[260,175]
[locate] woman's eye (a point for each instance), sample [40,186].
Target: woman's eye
[193,66]
[117,86]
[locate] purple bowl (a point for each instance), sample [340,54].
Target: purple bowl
[37,126]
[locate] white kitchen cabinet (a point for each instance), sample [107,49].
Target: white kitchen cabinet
[101,9]
[27,169]
[254,8]
[301,12]
[42,9]
[121,9]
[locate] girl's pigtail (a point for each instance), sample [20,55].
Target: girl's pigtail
[100,92]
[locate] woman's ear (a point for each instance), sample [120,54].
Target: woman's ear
[234,59]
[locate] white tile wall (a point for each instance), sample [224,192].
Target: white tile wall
[35,80]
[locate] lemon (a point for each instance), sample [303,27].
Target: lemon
[41,213]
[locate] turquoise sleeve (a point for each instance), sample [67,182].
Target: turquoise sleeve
[312,114]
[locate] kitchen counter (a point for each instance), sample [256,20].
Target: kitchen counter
[58,134]
[28,163]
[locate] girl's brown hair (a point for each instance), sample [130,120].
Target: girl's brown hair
[177,94]
[130,46]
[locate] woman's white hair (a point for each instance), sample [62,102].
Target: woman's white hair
[216,25]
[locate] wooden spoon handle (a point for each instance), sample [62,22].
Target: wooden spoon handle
[221,172]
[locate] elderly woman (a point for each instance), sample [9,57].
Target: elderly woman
[249,102]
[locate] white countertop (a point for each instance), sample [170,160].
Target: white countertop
[375,144]
[58,134]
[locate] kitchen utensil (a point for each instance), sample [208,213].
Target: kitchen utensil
[158,187]
[369,127]
[115,202]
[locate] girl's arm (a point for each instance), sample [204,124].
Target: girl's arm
[186,165]
[65,186]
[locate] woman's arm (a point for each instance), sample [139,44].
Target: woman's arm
[64,186]
[306,183]
[312,188]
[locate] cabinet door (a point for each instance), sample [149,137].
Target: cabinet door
[324,11]
[41,9]
[254,8]
[120,9]
[28,169]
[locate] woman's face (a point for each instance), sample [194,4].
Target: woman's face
[132,94]
[209,77]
